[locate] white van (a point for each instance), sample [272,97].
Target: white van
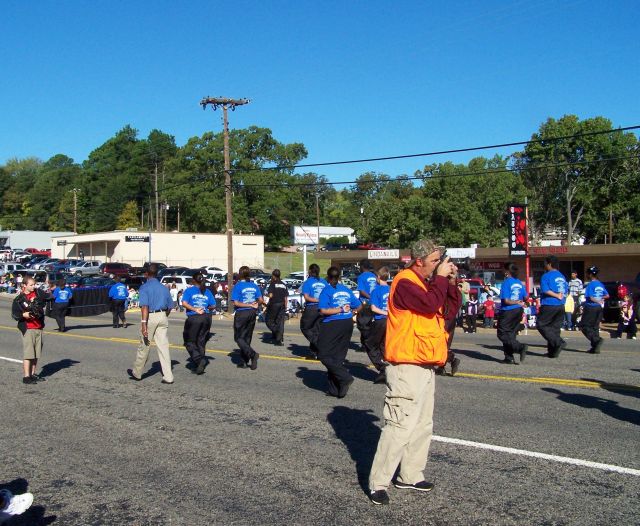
[10,267]
[182,282]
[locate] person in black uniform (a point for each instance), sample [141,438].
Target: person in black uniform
[62,295]
[512,302]
[246,297]
[276,307]
[198,302]
[310,319]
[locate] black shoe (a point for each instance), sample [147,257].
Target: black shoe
[115,326]
[455,364]
[279,343]
[509,360]
[380,497]
[381,378]
[439,371]
[132,376]
[165,382]
[344,388]
[418,486]
[242,365]
[523,353]
[597,346]
[201,366]
[38,378]
[254,361]
[29,380]
[556,352]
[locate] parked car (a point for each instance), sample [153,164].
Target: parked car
[95,281]
[329,247]
[182,282]
[310,248]
[370,246]
[214,270]
[86,268]
[135,282]
[10,267]
[191,272]
[62,265]
[117,269]
[41,264]
[296,275]
[171,271]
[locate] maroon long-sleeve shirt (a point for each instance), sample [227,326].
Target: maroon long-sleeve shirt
[440,293]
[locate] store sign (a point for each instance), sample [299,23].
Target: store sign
[61,243]
[136,239]
[305,235]
[384,254]
[543,251]
[518,242]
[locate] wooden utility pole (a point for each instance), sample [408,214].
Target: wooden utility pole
[226,104]
[75,209]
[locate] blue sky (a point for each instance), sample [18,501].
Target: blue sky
[349,79]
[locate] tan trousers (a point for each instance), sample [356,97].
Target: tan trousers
[157,328]
[406,436]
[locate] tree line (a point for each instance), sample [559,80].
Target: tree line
[585,185]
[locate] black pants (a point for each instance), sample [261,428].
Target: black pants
[576,312]
[274,319]
[471,322]
[333,344]
[310,326]
[195,335]
[549,323]
[590,323]
[118,311]
[243,323]
[630,328]
[450,327]
[508,322]
[375,342]
[58,313]
[364,321]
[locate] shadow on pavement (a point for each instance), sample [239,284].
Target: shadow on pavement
[313,378]
[623,389]
[608,407]
[155,369]
[52,368]
[94,326]
[479,355]
[301,351]
[35,515]
[357,430]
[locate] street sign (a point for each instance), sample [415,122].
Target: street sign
[136,239]
[393,253]
[61,243]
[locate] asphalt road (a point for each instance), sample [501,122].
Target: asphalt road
[235,446]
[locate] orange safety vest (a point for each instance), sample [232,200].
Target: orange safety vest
[419,339]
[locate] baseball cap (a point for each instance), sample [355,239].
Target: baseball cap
[421,249]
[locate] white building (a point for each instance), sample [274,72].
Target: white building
[28,238]
[186,249]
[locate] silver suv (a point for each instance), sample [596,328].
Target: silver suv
[86,268]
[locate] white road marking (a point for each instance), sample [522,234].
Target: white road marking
[10,359]
[534,454]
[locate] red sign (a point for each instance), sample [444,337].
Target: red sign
[541,251]
[518,242]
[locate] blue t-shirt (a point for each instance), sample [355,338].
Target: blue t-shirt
[313,287]
[595,289]
[118,291]
[380,298]
[332,298]
[367,281]
[553,281]
[245,292]
[200,300]
[62,295]
[512,289]
[155,296]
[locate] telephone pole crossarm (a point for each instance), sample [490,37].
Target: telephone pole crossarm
[222,101]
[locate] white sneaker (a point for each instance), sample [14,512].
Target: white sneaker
[15,504]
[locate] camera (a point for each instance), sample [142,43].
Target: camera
[35,308]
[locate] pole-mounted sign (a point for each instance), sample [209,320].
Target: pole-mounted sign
[518,245]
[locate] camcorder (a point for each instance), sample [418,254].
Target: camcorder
[35,307]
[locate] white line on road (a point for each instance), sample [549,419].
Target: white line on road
[10,359]
[545,456]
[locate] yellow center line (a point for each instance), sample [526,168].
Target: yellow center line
[568,382]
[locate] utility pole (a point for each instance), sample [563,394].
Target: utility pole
[318,219]
[75,209]
[178,217]
[226,104]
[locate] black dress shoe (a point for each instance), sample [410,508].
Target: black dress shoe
[254,361]
[201,366]
[132,376]
[242,365]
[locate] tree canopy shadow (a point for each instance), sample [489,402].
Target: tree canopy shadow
[357,430]
[608,407]
[52,368]
[35,515]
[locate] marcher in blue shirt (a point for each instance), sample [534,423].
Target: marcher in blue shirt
[512,302]
[155,306]
[62,296]
[337,304]
[374,344]
[595,295]
[367,281]
[119,295]
[198,302]
[310,319]
[246,297]
[553,290]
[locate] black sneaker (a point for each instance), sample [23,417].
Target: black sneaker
[597,346]
[509,360]
[38,378]
[242,365]
[455,364]
[201,366]
[523,353]
[254,361]
[380,497]
[381,378]
[423,485]
[29,380]
[439,371]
